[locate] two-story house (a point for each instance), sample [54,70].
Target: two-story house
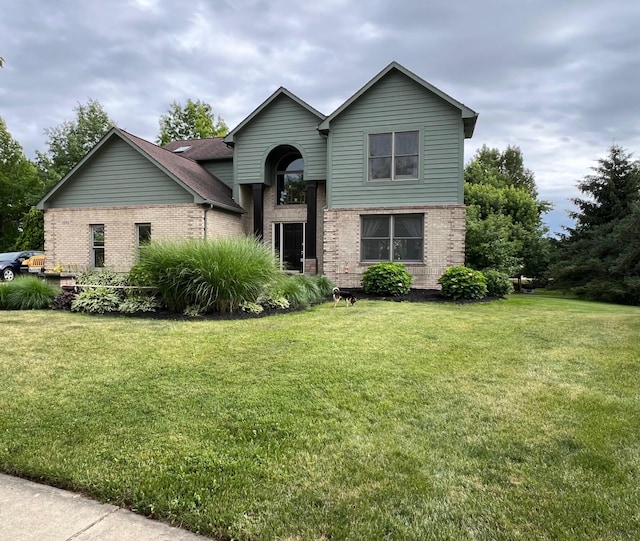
[380,179]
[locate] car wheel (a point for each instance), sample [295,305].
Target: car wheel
[8,274]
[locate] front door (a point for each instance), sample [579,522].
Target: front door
[289,245]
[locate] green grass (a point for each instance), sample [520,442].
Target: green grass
[511,420]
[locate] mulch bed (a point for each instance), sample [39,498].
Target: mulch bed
[414,295]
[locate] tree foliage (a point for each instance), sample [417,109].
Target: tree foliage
[20,188]
[194,120]
[504,217]
[599,259]
[70,141]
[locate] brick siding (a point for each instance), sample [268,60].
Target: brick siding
[444,233]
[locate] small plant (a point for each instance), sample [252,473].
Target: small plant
[138,276]
[498,283]
[102,277]
[63,300]
[386,279]
[461,282]
[28,293]
[98,300]
[251,308]
[136,302]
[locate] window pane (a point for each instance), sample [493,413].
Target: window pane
[144,234]
[407,167]
[379,168]
[380,144]
[97,233]
[407,249]
[98,257]
[296,165]
[375,250]
[295,189]
[406,143]
[408,226]
[375,227]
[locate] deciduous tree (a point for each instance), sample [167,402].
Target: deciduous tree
[20,188]
[504,217]
[194,120]
[70,141]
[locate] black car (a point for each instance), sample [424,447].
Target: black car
[11,263]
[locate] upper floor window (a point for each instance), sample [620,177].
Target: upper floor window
[291,188]
[394,155]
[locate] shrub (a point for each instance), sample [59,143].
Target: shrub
[138,276]
[3,295]
[498,283]
[28,293]
[139,302]
[463,283]
[298,290]
[63,300]
[102,277]
[386,279]
[215,275]
[96,300]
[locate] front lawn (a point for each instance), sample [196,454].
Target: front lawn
[507,420]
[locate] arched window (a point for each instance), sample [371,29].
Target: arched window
[291,188]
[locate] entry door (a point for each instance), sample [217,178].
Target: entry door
[289,244]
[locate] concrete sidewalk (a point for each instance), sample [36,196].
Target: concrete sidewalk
[33,512]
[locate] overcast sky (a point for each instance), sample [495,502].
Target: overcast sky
[558,78]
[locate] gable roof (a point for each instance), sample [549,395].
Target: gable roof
[211,148]
[205,187]
[469,116]
[282,91]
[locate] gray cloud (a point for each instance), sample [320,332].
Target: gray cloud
[558,79]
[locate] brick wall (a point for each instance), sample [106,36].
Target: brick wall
[68,231]
[444,232]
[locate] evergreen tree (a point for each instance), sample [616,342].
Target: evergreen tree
[600,257]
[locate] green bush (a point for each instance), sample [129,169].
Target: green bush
[96,300]
[498,283]
[27,293]
[138,276]
[298,290]
[461,282]
[102,277]
[386,279]
[3,295]
[139,302]
[217,275]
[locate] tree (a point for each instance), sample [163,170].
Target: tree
[195,120]
[20,188]
[599,259]
[31,235]
[504,217]
[70,141]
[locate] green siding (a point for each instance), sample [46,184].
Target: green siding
[118,175]
[397,103]
[223,169]
[283,122]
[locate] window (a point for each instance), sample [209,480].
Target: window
[397,237]
[143,234]
[291,188]
[394,155]
[97,245]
